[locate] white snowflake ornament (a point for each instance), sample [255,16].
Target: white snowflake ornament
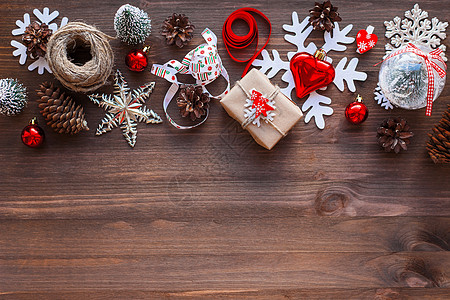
[125,108]
[21,50]
[349,74]
[333,41]
[316,110]
[381,99]
[416,29]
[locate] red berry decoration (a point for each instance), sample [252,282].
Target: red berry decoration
[311,72]
[137,60]
[32,135]
[356,112]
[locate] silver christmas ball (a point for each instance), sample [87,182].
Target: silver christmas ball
[404,80]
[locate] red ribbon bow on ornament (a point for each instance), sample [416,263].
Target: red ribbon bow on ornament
[435,54]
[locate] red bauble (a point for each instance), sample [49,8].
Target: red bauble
[356,112]
[136,60]
[32,135]
[311,72]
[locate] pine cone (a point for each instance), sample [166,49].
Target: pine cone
[439,144]
[323,16]
[60,112]
[193,102]
[393,135]
[178,30]
[36,37]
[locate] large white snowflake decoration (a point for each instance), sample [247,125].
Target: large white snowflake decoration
[417,29]
[334,41]
[125,108]
[21,50]
[317,111]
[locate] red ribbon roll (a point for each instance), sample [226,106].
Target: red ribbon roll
[235,41]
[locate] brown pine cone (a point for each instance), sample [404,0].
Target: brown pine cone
[36,37]
[323,16]
[60,112]
[178,30]
[439,144]
[393,135]
[193,102]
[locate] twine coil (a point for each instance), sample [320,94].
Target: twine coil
[89,76]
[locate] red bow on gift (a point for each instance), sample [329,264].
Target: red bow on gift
[435,54]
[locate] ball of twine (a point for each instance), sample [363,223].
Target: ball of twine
[89,76]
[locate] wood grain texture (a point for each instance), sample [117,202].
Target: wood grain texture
[207,213]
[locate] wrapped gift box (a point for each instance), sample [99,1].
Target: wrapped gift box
[278,120]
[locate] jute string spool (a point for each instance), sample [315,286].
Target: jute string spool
[89,76]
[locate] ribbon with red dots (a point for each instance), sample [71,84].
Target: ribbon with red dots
[235,41]
[203,63]
[430,64]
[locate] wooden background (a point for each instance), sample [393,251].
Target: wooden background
[208,212]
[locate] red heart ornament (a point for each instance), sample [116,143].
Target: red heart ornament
[310,72]
[365,41]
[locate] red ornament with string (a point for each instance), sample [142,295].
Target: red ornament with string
[137,60]
[32,135]
[356,112]
[311,72]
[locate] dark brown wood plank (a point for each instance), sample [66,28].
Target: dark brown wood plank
[75,238]
[267,270]
[319,294]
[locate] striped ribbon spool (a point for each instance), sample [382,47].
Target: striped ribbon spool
[203,63]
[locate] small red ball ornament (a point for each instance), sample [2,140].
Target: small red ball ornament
[32,135]
[356,112]
[137,60]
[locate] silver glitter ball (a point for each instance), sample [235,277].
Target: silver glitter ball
[403,79]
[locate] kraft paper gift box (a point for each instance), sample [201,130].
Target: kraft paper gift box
[277,122]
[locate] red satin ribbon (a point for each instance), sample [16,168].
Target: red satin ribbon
[235,41]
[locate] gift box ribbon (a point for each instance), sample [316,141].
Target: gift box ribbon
[428,57]
[203,63]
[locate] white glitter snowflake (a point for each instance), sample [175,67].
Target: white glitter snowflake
[334,41]
[21,50]
[417,29]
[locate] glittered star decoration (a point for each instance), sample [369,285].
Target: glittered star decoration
[260,104]
[125,108]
